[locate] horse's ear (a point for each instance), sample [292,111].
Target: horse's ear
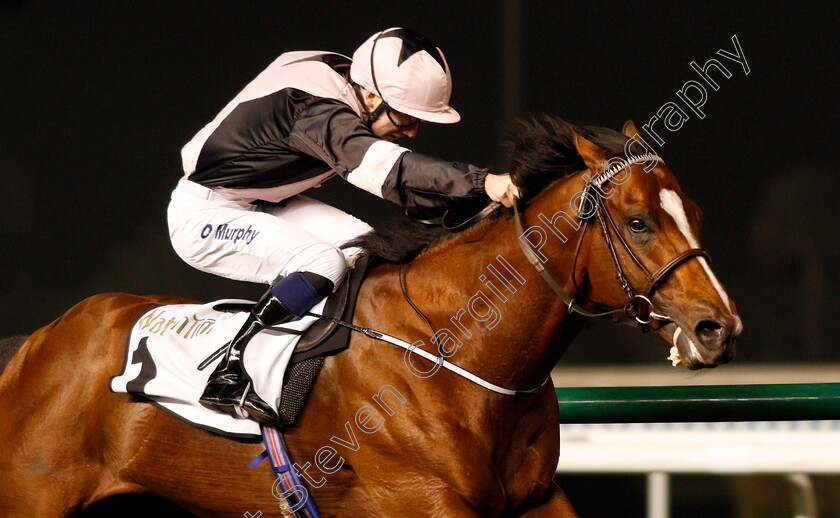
[593,156]
[629,129]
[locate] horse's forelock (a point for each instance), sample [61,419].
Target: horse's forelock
[544,151]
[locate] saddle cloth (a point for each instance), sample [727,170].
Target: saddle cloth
[167,343]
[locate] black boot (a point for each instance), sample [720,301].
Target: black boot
[229,389]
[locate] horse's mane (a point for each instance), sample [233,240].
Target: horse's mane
[543,151]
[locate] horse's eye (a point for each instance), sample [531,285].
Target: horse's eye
[637,225]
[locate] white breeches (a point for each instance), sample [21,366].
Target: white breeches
[238,240]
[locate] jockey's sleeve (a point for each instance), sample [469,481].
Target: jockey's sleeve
[427,186]
[423,185]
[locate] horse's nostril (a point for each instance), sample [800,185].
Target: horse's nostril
[709,331]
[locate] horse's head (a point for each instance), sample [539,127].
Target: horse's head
[652,228]
[638,247]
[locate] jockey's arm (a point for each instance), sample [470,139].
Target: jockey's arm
[423,185]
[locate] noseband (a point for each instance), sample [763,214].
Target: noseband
[639,309]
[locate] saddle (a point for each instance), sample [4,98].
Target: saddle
[323,338]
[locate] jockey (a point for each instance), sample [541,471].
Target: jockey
[238,211]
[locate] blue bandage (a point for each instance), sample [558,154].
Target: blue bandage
[296,293]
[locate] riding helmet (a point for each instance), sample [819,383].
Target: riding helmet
[407,71]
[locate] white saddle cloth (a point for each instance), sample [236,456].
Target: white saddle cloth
[167,344]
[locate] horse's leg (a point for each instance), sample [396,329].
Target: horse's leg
[205,473]
[405,500]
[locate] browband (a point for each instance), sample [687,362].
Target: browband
[608,175]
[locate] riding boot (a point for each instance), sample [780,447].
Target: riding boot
[229,389]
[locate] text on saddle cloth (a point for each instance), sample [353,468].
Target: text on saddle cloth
[168,342]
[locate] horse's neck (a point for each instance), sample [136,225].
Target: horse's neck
[480,292]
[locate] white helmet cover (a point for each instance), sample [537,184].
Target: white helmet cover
[408,72]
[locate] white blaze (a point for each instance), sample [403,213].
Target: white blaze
[672,204]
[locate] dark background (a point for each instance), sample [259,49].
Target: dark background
[98,98]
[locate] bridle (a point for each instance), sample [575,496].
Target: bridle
[639,309]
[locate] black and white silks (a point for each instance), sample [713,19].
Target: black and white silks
[298,123]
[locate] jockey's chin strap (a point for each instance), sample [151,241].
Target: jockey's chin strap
[639,309]
[370,116]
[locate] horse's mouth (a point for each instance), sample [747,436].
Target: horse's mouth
[685,351]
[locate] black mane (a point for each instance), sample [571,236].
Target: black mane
[543,151]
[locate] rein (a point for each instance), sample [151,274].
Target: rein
[571,305]
[438,360]
[639,309]
[490,208]
[478,216]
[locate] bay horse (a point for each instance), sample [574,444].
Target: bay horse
[427,443]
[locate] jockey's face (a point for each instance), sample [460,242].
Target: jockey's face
[392,125]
